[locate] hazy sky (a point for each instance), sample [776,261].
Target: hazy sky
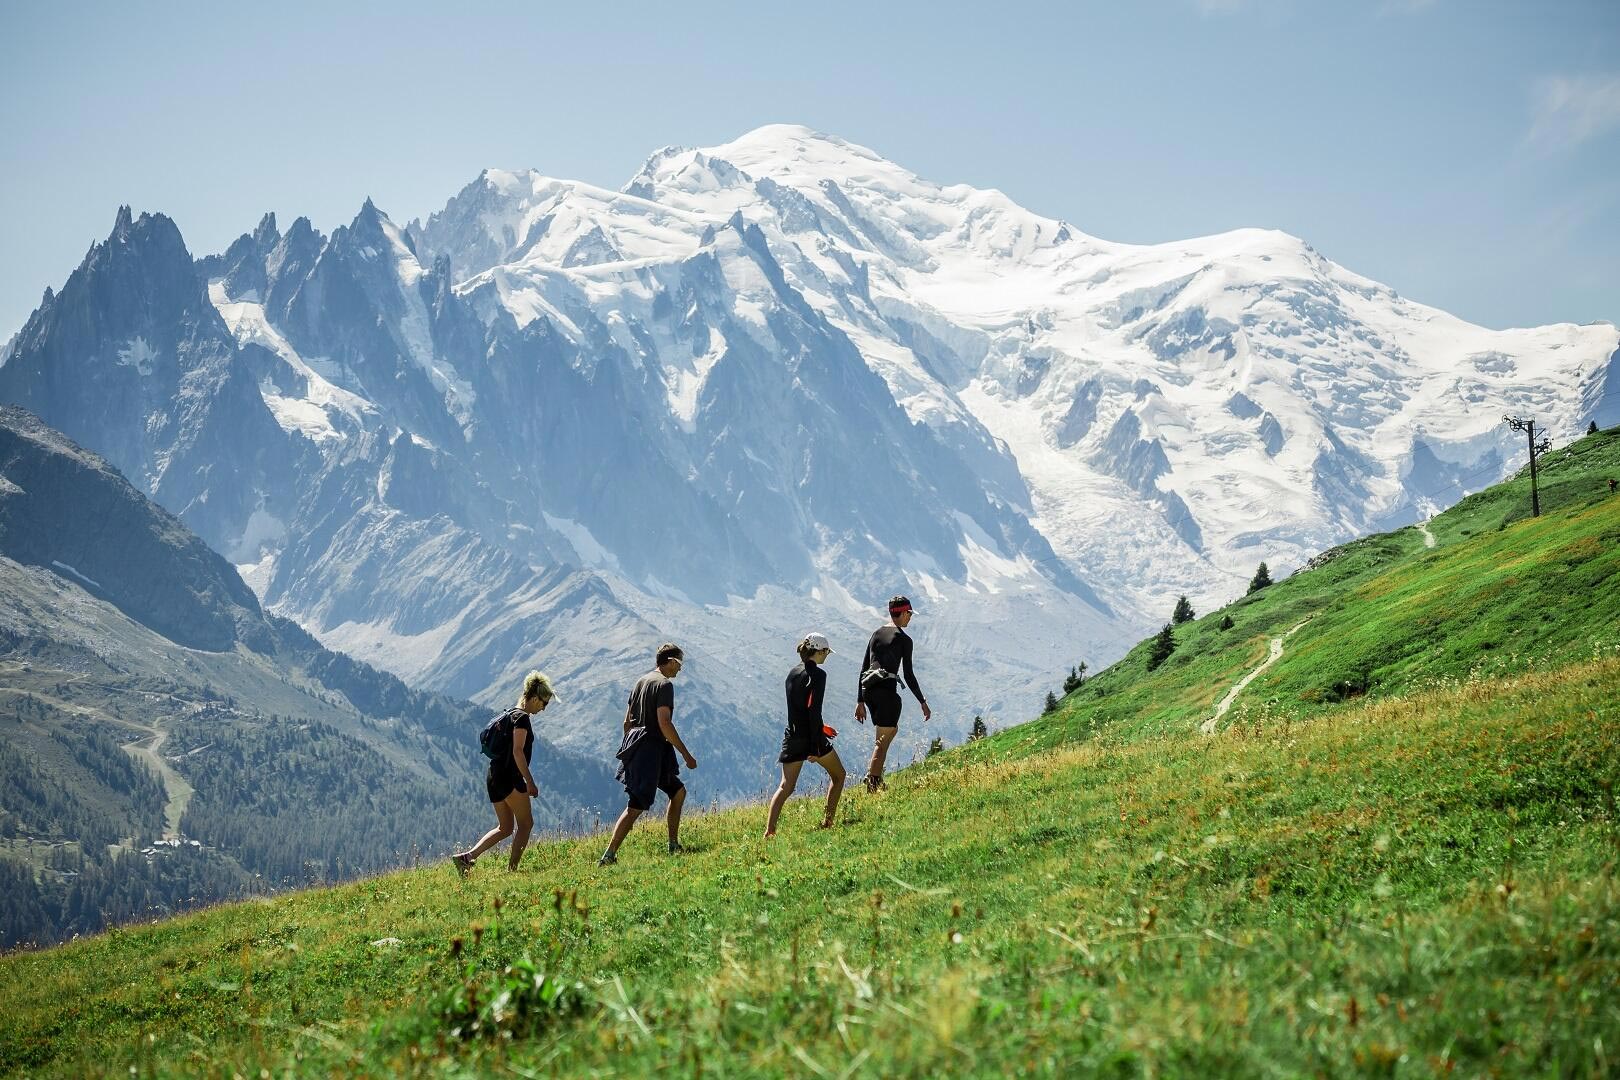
[1465,152]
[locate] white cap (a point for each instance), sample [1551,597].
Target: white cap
[817,642]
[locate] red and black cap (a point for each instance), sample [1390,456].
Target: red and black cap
[899,605]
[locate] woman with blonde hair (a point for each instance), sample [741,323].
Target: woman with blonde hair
[806,738]
[508,740]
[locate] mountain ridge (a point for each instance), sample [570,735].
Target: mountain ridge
[127,646]
[776,381]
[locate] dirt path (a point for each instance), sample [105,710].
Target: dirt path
[1428,537]
[145,748]
[1208,726]
[174,785]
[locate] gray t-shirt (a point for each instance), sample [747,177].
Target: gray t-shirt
[651,691]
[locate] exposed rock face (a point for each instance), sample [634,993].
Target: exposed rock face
[64,508]
[756,391]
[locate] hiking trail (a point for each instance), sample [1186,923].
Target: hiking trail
[1428,537]
[1208,726]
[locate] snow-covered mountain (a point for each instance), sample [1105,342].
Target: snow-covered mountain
[754,392]
[1218,400]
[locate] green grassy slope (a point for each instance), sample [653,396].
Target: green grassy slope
[1418,879]
[1499,593]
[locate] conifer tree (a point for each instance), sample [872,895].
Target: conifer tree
[1184,612]
[1163,645]
[979,729]
[1262,578]
[1051,703]
[1592,428]
[1075,679]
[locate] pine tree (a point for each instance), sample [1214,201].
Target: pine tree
[1163,645]
[1592,428]
[1184,612]
[1226,622]
[1075,679]
[980,730]
[1051,703]
[1262,578]
[936,746]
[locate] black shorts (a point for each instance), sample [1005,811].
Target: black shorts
[802,746]
[648,769]
[500,783]
[884,709]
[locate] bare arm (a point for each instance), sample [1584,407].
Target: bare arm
[520,739]
[666,724]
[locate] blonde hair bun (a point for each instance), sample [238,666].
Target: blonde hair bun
[536,685]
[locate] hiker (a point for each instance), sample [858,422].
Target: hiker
[879,690]
[806,737]
[647,754]
[509,782]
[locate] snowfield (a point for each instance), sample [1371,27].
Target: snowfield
[756,391]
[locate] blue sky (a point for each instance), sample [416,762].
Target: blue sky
[1465,152]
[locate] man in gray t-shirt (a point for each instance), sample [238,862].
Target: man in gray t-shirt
[653,691]
[647,754]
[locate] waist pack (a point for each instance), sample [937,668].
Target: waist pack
[878,680]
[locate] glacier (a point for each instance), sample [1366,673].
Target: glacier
[752,393]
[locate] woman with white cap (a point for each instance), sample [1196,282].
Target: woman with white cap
[806,737]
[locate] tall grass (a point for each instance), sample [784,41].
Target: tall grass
[1411,885]
[1396,856]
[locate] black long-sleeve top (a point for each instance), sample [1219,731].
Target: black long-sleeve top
[890,649]
[805,686]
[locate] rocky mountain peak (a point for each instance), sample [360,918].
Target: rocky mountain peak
[767,385]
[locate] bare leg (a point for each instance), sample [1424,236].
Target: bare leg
[674,816]
[524,821]
[880,753]
[621,828]
[502,829]
[790,780]
[835,771]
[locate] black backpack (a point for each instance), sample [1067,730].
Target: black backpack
[496,738]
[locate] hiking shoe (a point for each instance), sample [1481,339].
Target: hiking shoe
[675,847]
[462,865]
[608,859]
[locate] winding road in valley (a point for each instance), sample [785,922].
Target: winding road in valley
[174,785]
[146,747]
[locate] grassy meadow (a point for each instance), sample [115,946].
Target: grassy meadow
[1395,856]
